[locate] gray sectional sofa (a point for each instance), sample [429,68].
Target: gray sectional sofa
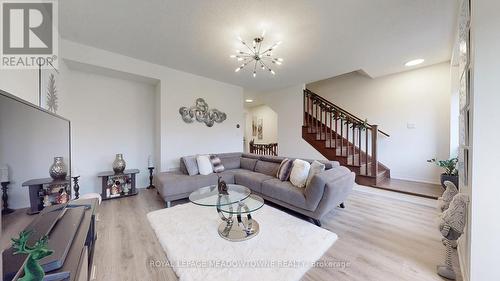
[326,190]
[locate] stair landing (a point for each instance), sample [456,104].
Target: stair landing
[427,190]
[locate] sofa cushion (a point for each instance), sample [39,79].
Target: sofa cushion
[230,160]
[267,168]
[286,192]
[252,180]
[316,167]
[174,183]
[228,175]
[284,170]
[251,155]
[204,165]
[247,163]
[189,165]
[300,171]
[270,158]
[216,164]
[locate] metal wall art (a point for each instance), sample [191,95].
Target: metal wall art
[202,113]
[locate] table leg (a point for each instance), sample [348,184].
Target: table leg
[244,229]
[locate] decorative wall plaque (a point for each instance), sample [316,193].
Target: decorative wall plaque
[202,113]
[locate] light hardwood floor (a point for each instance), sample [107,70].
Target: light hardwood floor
[383,235]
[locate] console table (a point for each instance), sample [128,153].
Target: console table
[72,235]
[37,191]
[126,179]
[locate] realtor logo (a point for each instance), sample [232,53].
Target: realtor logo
[29,38]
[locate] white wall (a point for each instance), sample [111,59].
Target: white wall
[108,116]
[196,138]
[269,123]
[21,83]
[287,103]
[420,96]
[485,226]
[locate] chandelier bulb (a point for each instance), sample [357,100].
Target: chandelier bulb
[272,71]
[254,74]
[240,59]
[237,69]
[232,56]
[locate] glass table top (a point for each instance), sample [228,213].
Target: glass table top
[250,204]
[209,195]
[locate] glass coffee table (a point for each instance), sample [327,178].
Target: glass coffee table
[238,203]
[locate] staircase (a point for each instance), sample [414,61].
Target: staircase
[340,136]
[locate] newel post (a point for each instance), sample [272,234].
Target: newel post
[374,170]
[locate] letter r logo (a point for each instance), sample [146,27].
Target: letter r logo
[27,28]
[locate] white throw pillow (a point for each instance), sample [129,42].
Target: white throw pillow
[299,174]
[204,164]
[316,167]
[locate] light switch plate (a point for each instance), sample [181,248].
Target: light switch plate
[410,125]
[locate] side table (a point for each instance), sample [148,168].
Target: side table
[118,185]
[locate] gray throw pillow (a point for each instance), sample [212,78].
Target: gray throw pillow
[316,167]
[216,164]
[190,164]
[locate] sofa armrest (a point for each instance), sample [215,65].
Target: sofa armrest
[339,182]
[314,191]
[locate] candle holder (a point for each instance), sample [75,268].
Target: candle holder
[5,198]
[150,178]
[76,187]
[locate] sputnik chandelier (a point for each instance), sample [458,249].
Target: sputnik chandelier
[257,56]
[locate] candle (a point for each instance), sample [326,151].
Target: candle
[75,173]
[4,173]
[150,161]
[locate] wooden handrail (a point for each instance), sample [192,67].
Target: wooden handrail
[264,148]
[349,137]
[328,103]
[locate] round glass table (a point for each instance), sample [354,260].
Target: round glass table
[234,209]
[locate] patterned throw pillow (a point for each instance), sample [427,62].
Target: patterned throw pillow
[284,170]
[316,167]
[216,164]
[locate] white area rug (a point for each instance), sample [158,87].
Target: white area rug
[285,248]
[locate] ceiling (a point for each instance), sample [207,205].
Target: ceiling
[320,38]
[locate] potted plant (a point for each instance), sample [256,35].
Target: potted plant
[450,167]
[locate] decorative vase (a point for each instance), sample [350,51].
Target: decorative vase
[119,164]
[58,170]
[452,178]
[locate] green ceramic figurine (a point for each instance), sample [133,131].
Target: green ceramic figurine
[32,269]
